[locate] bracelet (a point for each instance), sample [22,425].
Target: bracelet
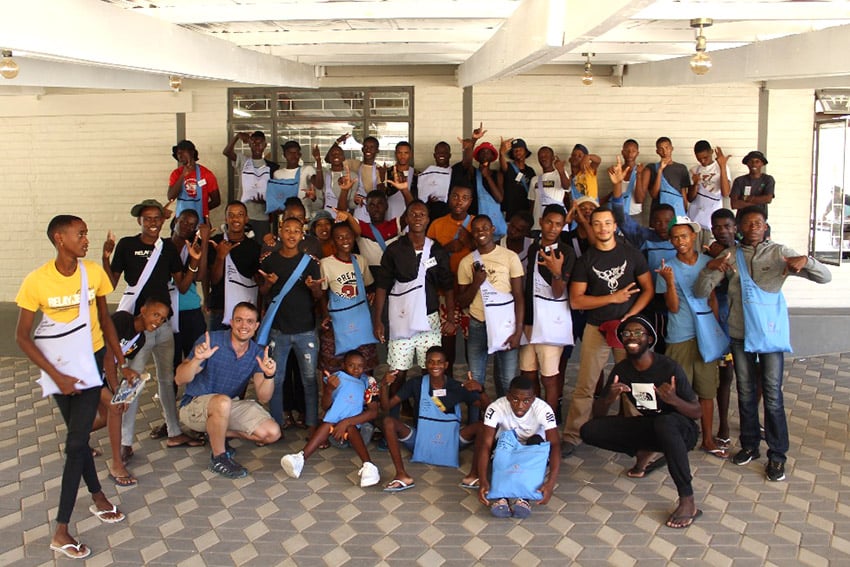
[195,271]
[557,277]
[267,377]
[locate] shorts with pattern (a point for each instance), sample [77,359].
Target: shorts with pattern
[402,352]
[245,415]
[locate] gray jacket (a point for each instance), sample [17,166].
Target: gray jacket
[766,264]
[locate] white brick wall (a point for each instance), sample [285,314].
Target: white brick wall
[97,166]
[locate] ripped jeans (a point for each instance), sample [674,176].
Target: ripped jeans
[306,347]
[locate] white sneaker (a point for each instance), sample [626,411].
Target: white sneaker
[293,464]
[369,475]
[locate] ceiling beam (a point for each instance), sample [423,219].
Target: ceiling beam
[541,30]
[745,10]
[319,11]
[43,73]
[806,59]
[366,37]
[107,35]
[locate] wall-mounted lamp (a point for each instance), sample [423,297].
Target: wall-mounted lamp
[175,83]
[8,67]
[701,61]
[587,78]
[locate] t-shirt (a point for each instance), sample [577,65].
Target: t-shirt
[258,176]
[537,420]
[434,182]
[340,278]
[545,189]
[517,184]
[681,325]
[586,184]
[455,394]
[189,299]
[246,259]
[396,204]
[369,247]
[307,173]
[605,272]
[401,263]
[758,187]
[125,328]
[208,184]
[501,266]
[131,256]
[444,230]
[58,296]
[295,314]
[331,179]
[566,270]
[676,174]
[224,372]
[659,372]
[709,195]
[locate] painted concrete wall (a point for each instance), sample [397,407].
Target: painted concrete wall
[96,154]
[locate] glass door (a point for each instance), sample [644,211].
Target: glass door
[830,231]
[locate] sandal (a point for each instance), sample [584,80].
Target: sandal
[681,522]
[72,550]
[183,439]
[635,472]
[102,515]
[288,422]
[159,432]
[124,480]
[500,508]
[471,485]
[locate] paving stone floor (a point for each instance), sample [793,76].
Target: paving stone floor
[181,514]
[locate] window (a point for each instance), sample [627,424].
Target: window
[320,116]
[830,228]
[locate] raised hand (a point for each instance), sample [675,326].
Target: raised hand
[479,132]
[317,154]
[108,244]
[559,164]
[346,182]
[616,173]
[472,384]
[721,158]
[666,272]
[553,261]
[382,172]
[203,350]
[267,363]
[399,180]
[667,391]
[223,248]
[505,145]
[196,248]
[313,284]
[270,278]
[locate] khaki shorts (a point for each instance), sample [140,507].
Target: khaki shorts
[704,376]
[401,352]
[245,415]
[545,358]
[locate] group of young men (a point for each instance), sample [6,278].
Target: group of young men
[327,263]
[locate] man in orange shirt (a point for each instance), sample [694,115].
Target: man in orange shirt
[452,231]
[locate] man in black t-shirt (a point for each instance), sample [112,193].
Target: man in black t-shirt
[659,389]
[294,325]
[516,175]
[131,258]
[611,282]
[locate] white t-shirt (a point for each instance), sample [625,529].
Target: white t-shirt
[552,192]
[709,197]
[307,172]
[256,210]
[537,420]
[434,181]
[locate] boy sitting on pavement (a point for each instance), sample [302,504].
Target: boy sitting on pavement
[437,437]
[531,420]
[349,398]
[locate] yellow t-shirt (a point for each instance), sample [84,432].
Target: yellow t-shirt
[587,183]
[58,296]
[501,265]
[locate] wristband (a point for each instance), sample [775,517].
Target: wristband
[195,271]
[267,377]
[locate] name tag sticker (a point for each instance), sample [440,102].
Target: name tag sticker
[518,177]
[440,393]
[202,182]
[430,263]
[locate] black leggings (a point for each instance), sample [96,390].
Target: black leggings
[79,412]
[670,433]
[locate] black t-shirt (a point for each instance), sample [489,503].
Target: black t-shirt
[296,312]
[131,255]
[516,192]
[759,186]
[606,272]
[455,394]
[246,258]
[676,174]
[125,329]
[659,372]
[400,262]
[566,270]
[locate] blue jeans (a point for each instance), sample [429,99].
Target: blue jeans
[306,346]
[476,353]
[775,424]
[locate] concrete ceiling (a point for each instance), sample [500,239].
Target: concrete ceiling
[133,43]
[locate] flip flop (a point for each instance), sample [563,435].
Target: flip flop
[500,508]
[80,550]
[159,432]
[101,514]
[95,452]
[688,519]
[635,472]
[720,453]
[472,485]
[124,481]
[723,442]
[397,485]
[189,441]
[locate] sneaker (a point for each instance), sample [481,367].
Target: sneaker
[744,456]
[369,475]
[227,467]
[293,464]
[231,451]
[775,471]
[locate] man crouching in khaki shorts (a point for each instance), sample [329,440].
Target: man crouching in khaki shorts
[216,373]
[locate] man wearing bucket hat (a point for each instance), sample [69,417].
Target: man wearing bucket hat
[192,185]
[517,175]
[658,387]
[753,189]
